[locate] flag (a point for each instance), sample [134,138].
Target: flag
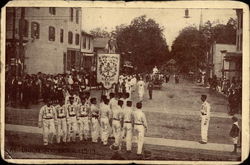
[108,66]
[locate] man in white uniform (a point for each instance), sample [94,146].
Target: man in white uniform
[83,120]
[61,112]
[205,117]
[127,125]
[46,119]
[141,85]
[117,116]
[94,110]
[71,120]
[104,119]
[140,126]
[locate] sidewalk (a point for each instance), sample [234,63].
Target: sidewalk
[147,140]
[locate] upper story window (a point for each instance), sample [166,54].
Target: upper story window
[61,35]
[35,30]
[52,10]
[71,14]
[77,16]
[25,29]
[70,37]
[52,32]
[77,39]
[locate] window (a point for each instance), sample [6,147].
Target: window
[25,29]
[71,14]
[51,33]
[35,30]
[77,16]
[61,35]
[77,39]
[84,42]
[52,10]
[70,37]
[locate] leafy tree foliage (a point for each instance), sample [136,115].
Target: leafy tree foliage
[190,47]
[142,42]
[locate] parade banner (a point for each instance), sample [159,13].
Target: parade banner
[108,66]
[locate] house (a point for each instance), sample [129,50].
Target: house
[233,59]
[51,38]
[100,45]
[217,55]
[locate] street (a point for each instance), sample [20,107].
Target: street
[173,134]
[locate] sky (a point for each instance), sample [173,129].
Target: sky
[172,20]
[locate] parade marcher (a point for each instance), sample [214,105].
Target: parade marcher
[127,125]
[140,126]
[133,82]
[150,89]
[141,85]
[94,120]
[46,120]
[105,114]
[117,115]
[205,117]
[234,133]
[112,101]
[128,87]
[83,120]
[71,120]
[61,112]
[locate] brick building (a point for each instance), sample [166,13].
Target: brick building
[50,37]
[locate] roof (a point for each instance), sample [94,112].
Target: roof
[100,42]
[87,34]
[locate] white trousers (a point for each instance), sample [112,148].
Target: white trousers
[141,93]
[61,130]
[116,127]
[140,130]
[127,128]
[104,129]
[204,127]
[94,129]
[48,131]
[83,127]
[72,129]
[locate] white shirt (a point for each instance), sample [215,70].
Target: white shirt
[139,117]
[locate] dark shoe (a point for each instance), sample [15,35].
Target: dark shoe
[202,142]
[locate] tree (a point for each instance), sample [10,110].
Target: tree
[190,47]
[100,33]
[142,42]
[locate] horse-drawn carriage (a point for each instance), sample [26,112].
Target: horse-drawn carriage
[158,80]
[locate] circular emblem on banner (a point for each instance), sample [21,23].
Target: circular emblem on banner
[108,69]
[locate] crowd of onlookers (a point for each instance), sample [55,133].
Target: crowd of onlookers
[30,89]
[230,88]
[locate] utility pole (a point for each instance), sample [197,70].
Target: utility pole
[20,57]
